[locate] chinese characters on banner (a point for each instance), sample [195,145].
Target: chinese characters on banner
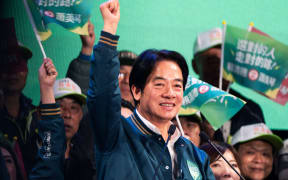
[70,14]
[216,105]
[255,61]
[282,96]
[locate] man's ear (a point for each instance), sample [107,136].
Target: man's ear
[194,65]
[136,93]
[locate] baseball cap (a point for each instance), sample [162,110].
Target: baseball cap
[67,87]
[208,39]
[257,131]
[8,42]
[127,57]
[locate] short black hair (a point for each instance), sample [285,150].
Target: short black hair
[145,64]
[127,57]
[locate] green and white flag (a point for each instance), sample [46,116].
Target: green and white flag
[216,105]
[255,61]
[70,14]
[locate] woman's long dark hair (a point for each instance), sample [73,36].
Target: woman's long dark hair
[4,143]
[223,147]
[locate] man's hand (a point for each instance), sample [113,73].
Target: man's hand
[47,76]
[88,40]
[110,11]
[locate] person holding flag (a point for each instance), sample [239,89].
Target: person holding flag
[206,63]
[50,157]
[146,145]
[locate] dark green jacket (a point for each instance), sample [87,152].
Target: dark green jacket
[50,157]
[125,148]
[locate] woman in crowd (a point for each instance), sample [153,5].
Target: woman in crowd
[219,167]
[10,160]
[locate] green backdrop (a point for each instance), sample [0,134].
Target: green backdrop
[170,24]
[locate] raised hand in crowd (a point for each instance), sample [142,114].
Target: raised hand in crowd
[50,156]
[110,11]
[47,75]
[88,40]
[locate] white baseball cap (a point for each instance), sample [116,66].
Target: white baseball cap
[257,131]
[208,39]
[67,87]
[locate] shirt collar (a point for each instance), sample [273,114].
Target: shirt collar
[156,130]
[148,124]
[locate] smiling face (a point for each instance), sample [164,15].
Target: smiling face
[162,95]
[222,171]
[256,158]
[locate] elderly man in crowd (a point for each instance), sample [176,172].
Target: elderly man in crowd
[257,147]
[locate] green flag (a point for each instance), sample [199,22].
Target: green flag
[254,60]
[70,14]
[216,105]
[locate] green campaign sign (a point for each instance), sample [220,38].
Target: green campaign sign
[254,60]
[70,14]
[216,105]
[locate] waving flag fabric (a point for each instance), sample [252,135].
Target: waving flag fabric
[216,105]
[255,61]
[282,95]
[70,14]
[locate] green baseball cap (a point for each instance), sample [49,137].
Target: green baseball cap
[257,131]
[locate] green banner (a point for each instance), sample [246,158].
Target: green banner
[216,105]
[70,14]
[254,60]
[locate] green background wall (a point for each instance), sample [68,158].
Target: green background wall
[170,24]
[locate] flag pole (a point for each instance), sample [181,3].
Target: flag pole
[34,28]
[222,55]
[179,125]
[251,24]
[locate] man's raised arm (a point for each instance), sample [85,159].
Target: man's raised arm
[50,158]
[104,100]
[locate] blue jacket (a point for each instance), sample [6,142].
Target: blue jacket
[50,158]
[126,148]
